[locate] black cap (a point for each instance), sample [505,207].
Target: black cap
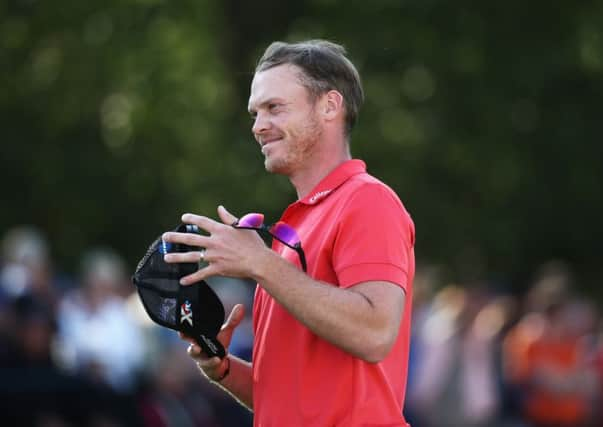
[194,310]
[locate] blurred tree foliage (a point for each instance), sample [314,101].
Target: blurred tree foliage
[118,116]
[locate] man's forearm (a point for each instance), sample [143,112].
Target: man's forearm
[362,320]
[238,383]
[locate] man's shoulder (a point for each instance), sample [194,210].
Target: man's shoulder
[366,193]
[367,185]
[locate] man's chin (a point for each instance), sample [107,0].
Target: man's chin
[276,167]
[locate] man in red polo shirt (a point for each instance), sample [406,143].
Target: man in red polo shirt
[331,344]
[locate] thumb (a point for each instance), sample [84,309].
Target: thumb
[235,317]
[225,216]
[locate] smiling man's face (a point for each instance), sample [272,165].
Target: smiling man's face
[285,123]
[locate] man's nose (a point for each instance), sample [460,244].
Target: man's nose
[260,124]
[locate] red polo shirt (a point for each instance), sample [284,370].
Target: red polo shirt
[353,229]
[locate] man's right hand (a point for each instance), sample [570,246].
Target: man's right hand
[214,367]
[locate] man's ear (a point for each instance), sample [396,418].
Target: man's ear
[333,105]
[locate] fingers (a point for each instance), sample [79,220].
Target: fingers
[195,352]
[201,274]
[202,222]
[218,238]
[191,239]
[236,316]
[189,257]
[212,367]
[225,216]
[234,319]
[209,365]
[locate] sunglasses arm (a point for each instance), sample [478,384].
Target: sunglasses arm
[302,259]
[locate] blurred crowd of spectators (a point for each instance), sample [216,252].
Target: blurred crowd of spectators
[81,351]
[486,358]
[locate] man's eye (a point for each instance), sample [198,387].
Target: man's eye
[272,107]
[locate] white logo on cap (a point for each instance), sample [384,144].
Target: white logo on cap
[186,313]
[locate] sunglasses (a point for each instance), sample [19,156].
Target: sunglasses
[281,231]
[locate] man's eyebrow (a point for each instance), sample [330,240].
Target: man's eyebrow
[252,108]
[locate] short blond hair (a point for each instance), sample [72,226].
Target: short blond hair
[325,67]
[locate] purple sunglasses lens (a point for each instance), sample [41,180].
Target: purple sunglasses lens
[252,220]
[285,233]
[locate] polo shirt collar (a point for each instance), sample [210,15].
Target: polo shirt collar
[338,176]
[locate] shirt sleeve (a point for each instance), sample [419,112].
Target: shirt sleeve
[375,239]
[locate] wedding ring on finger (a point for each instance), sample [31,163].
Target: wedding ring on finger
[202,262]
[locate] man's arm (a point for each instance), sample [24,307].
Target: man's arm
[362,320]
[231,373]
[238,382]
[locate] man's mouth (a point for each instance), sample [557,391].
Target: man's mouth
[265,143]
[270,140]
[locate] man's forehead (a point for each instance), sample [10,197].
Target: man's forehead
[274,82]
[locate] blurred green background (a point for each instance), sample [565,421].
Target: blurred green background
[118,116]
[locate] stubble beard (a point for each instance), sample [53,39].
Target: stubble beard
[299,146]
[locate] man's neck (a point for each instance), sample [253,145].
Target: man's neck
[306,179]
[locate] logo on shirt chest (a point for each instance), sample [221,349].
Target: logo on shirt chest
[319,196]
